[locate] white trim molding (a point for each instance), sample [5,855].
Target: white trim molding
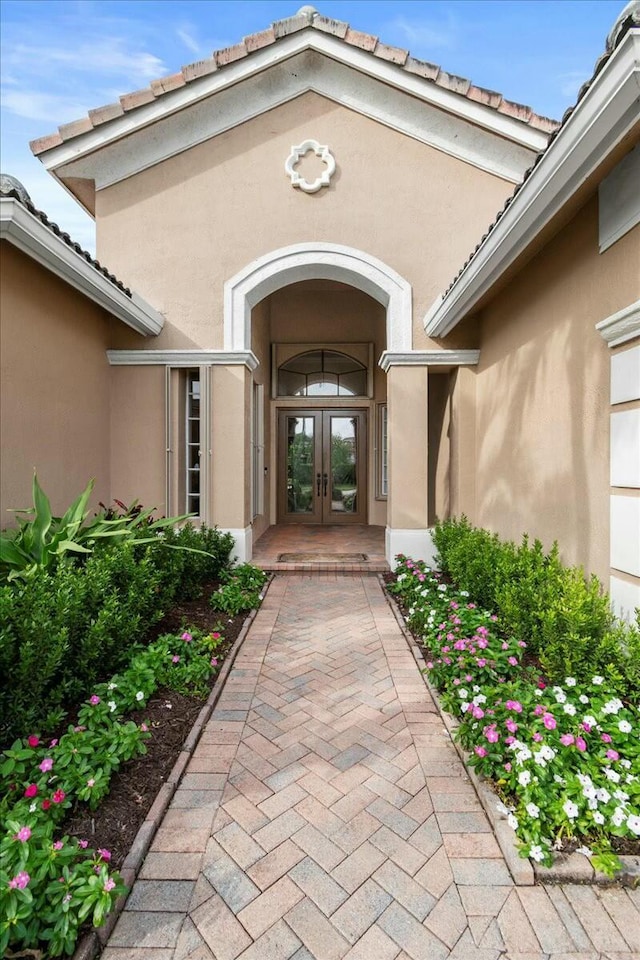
[598,123]
[182,358]
[417,544]
[243,543]
[316,261]
[26,232]
[621,326]
[429,358]
[304,61]
[297,153]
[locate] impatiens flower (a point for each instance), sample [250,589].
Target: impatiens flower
[569,709]
[536,853]
[514,705]
[139,695]
[109,885]
[214,661]
[83,843]
[94,700]
[58,796]
[613,755]
[54,742]
[23,834]
[533,810]
[566,739]
[581,744]
[491,734]
[105,854]
[144,727]
[507,767]
[58,845]
[618,817]
[597,681]
[21,880]
[549,721]
[570,809]
[633,822]
[481,751]
[624,726]
[570,681]
[512,820]
[511,725]
[31,790]
[112,705]
[33,740]
[537,737]
[46,804]
[175,659]
[186,637]
[598,817]
[215,636]
[513,661]
[524,778]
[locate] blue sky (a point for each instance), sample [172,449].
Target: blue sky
[62,57]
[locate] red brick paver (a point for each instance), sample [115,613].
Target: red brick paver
[325,814]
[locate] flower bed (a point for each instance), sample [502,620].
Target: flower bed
[564,758]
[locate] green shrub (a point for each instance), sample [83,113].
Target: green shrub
[241,590]
[200,567]
[564,617]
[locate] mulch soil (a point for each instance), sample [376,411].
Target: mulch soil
[170,717]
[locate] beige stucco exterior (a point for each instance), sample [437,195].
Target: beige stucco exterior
[539,459]
[54,388]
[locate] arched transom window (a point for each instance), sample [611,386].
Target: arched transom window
[322,373]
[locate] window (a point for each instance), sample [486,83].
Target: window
[257,451]
[322,373]
[192,441]
[382,460]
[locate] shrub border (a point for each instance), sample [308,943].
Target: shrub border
[567,868]
[95,940]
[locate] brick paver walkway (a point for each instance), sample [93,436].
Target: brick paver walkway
[325,814]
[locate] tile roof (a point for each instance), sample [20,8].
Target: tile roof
[629,18]
[12,189]
[306,18]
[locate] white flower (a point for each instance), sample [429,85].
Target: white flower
[33,807]
[540,758]
[612,706]
[533,810]
[597,680]
[464,593]
[569,709]
[603,795]
[617,817]
[523,755]
[598,818]
[535,852]
[400,577]
[633,822]
[626,764]
[583,699]
[112,686]
[479,698]
[560,694]
[585,779]
[621,795]
[624,726]
[442,587]
[570,809]
[475,688]
[589,792]
[538,692]
[592,804]
[524,778]
[570,681]
[512,821]
[112,705]
[463,694]
[139,695]
[558,778]
[547,752]
[612,775]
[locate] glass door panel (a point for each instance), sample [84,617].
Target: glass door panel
[300,484]
[343,470]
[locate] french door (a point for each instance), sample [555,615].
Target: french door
[322,466]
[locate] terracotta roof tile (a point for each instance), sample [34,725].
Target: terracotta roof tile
[23,198]
[306,18]
[363,40]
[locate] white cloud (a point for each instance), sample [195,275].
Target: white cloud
[422,35]
[184,34]
[105,56]
[38,105]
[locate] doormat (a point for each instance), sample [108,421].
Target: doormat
[322,558]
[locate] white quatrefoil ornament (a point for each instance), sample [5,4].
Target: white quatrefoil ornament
[297,153]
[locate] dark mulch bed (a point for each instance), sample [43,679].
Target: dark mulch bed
[170,717]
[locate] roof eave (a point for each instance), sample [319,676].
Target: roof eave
[609,109]
[81,143]
[19,227]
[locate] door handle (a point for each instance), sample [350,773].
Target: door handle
[325,481]
[318,483]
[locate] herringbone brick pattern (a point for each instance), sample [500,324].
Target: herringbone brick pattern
[325,814]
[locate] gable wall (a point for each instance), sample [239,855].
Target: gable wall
[541,457]
[54,388]
[177,231]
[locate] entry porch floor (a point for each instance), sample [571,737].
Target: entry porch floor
[319,545]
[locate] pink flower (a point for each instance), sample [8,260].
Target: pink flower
[58,796]
[514,705]
[83,843]
[46,804]
[613,755]
[581,744]
[109,885]
[537,737]
[505,645]
[31,790]
[481,662]
[215,636]
[605,737]
[549,721]
[509,740]
[511,725]
[513,661]
[483,643]
[587,728]
[477,712]
[566,739]
[144,727]
[491,734]
[20,881]
[186,637]
[54,743]
[91,782]
[214,661]
[94,701]
[46,765]
[521,643]
[23,834]
[539,709]
[105,854]
[507,767]
[58,845]
[175,659]
[481,751]
[33,740]
[541,685]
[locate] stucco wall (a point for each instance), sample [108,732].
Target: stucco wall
[541,454]
[178,231]
[138,437]
[54,388]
